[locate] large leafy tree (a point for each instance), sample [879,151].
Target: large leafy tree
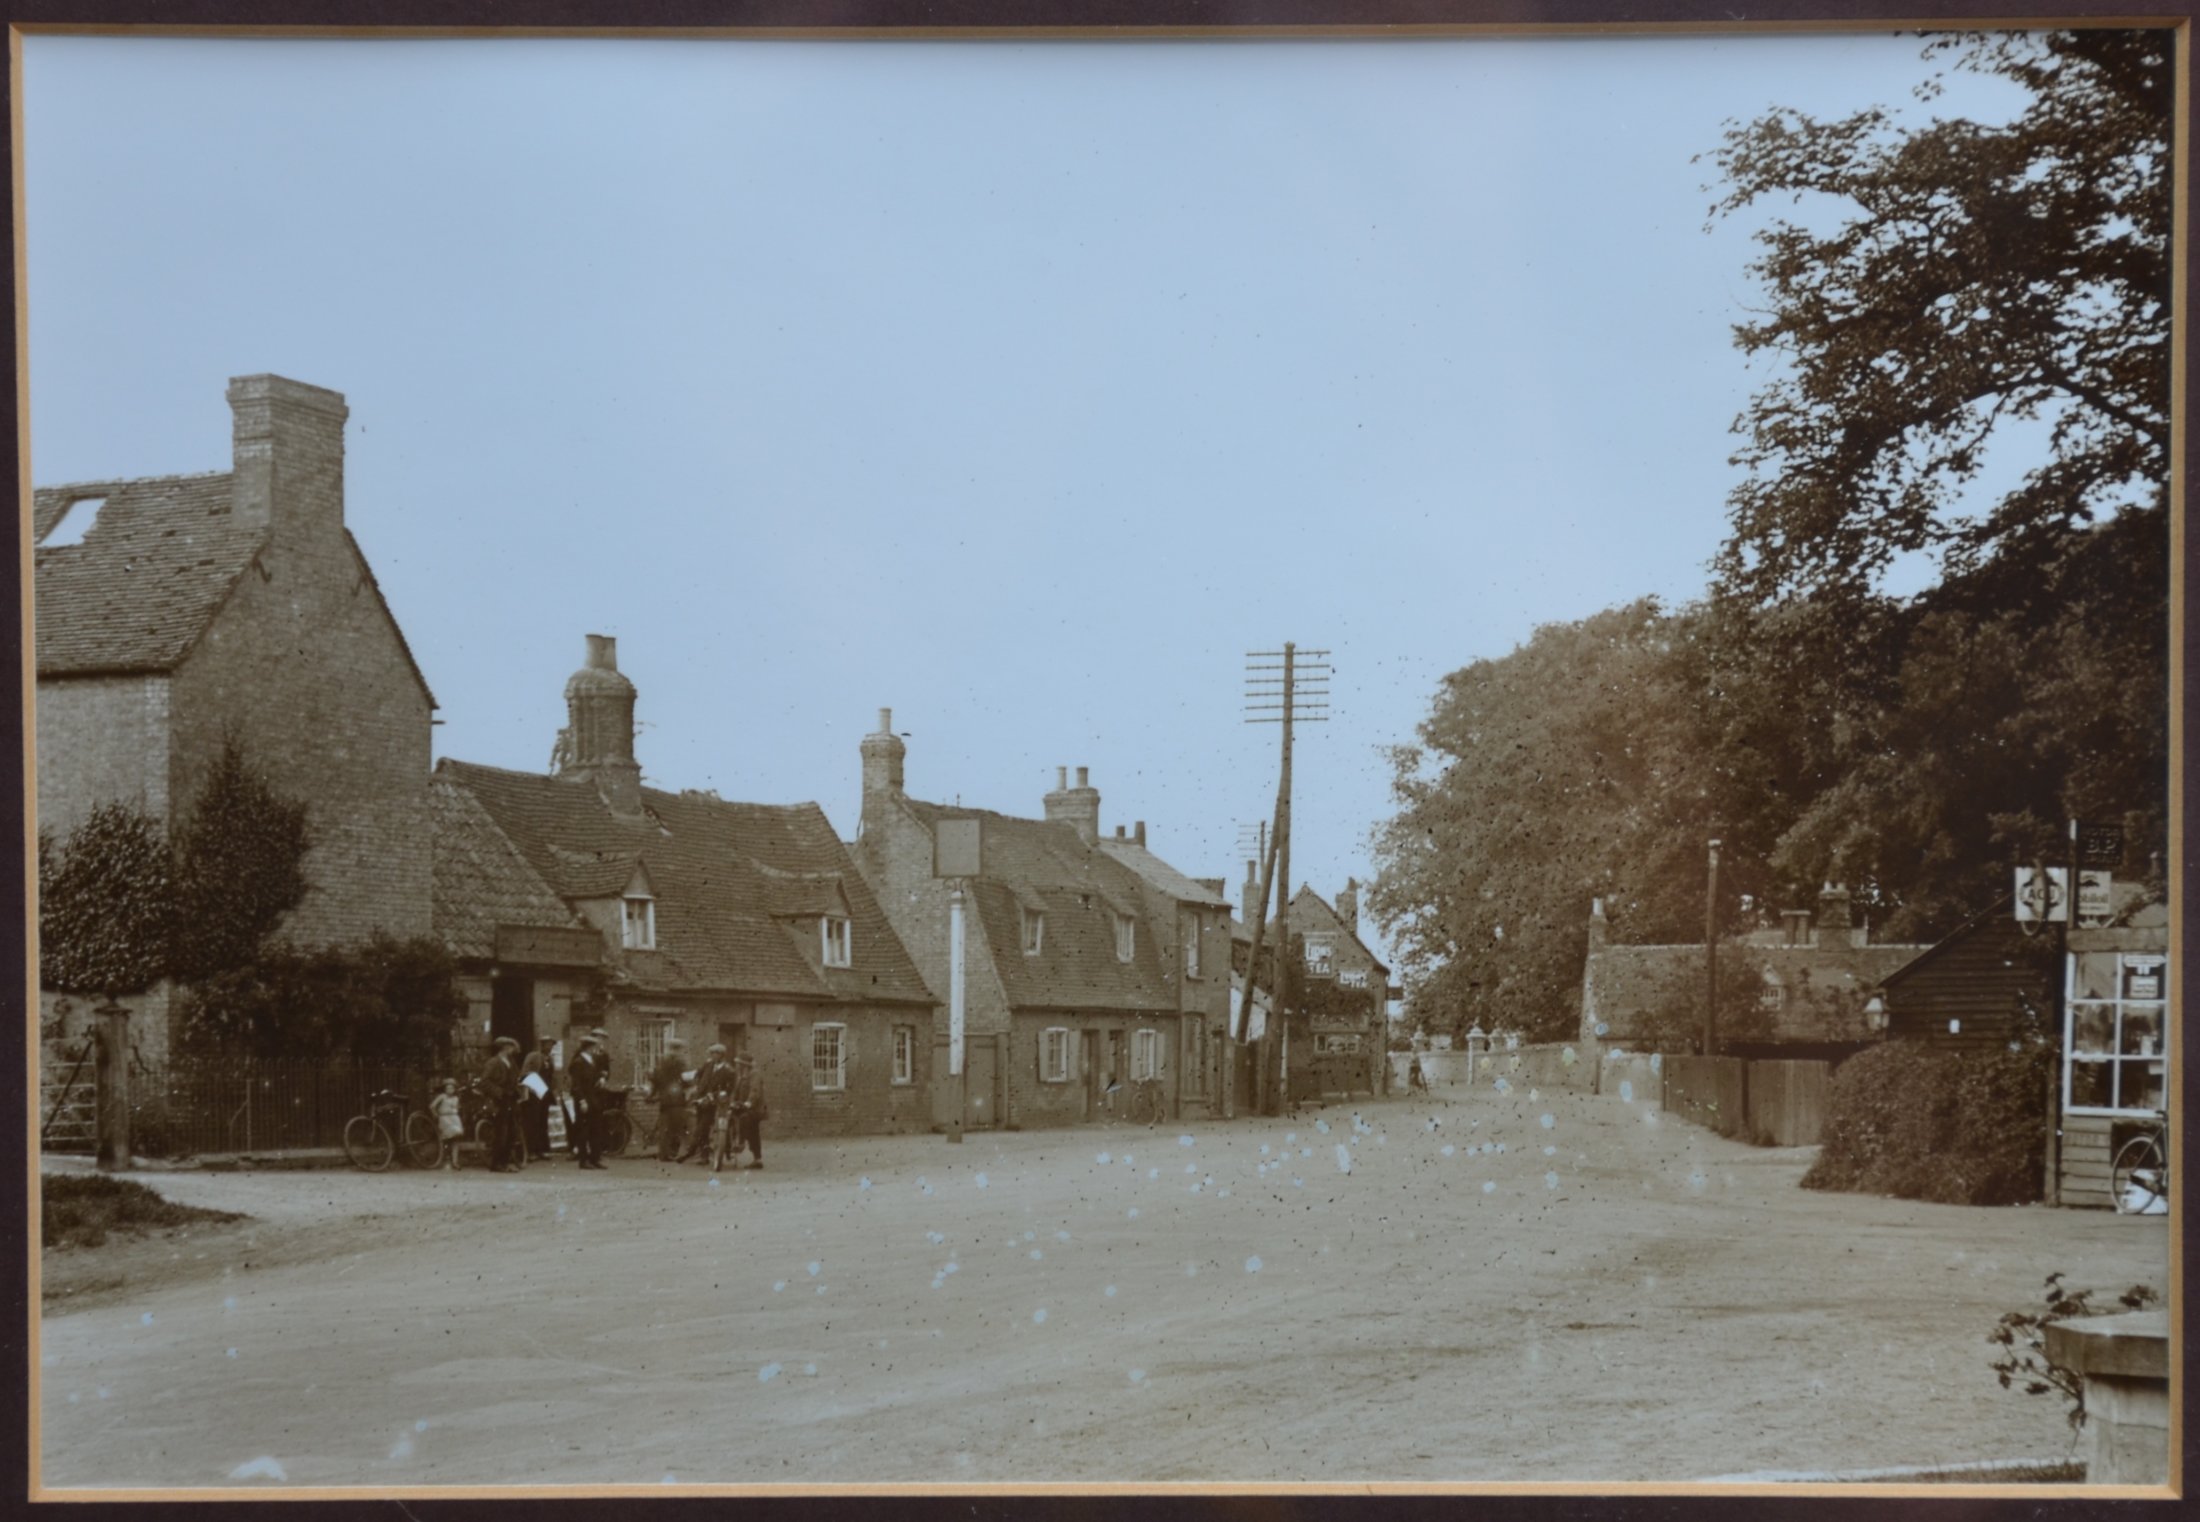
[1958,297]
[239,867]
[106,904]
[1976,278]
[1568,770]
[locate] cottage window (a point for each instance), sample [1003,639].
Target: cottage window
[839,942]
[1191,945]
[905,1054]
[652,1038]
[1126,937]
[1145,1055]
[1321,957]
[2116,1039]
[1035,929]
[1054,1044]
[829,1056]
[638,928]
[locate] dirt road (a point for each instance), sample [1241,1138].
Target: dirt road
[1497,1288]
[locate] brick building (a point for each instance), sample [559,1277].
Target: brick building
[585,898]
[1088,964]
[1821,975]
[176,611]
[1336,1043]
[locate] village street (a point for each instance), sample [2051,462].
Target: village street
[1501,1287]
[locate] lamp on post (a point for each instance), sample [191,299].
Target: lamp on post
[1711,951]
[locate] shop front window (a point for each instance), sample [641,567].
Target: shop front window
[2116,1042]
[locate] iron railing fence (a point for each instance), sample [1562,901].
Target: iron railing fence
[189,1106]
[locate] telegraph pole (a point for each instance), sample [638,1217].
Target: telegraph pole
[1299,690]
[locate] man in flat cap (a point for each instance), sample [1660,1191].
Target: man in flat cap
[584,1079]
[668,1085]
[499,1086]
[713,1083]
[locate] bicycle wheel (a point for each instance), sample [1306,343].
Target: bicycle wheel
[2139,1181]
[422,1147]
[617,1131]
[367,1143]
[484,1134]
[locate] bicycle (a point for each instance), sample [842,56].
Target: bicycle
[372,1140]
[614,1126]
[2139,1178]
[1148,1105]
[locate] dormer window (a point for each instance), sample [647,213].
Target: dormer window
[1035,930]
[1126,937]
[638,925]
[839,941]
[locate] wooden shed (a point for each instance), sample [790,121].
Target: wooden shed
[1985,985]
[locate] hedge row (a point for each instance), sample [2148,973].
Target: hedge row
[1920,1123]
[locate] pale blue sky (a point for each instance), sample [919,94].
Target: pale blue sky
[1021,386]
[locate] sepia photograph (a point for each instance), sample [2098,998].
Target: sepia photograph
[1429,761]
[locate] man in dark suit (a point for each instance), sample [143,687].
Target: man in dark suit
[668,1085]
[713,1085]
[584,1077]
[749,1112]
[500,1092]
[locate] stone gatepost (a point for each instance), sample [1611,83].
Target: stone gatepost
[2124,1361]
[111,1085]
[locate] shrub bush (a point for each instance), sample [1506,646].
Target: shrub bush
[1919,1123]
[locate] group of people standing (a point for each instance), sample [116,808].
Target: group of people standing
[517,1093]
[691,1106]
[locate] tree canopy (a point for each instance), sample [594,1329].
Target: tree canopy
[1951,299]
[1979,277]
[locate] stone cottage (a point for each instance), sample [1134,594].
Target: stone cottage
[585,898]
[175,612]
[1089,965]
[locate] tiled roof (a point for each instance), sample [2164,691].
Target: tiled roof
[1039,865]
[1183,889]
[1311,914]
[714,868]
[1826,984]
[155,567]
[158,561]
[481,880]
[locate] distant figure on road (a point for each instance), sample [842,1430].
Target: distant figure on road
[668,1082]
[500,1089]
[1415,1078]
[713,1087]
[749,1112]
[450,1126]
[584,1077]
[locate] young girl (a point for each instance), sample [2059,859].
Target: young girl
[448,1127]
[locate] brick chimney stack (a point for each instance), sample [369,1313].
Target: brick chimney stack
[598,742]
[1833,916]
[883,752]
[1077,806]
[287,447]
[1348,904]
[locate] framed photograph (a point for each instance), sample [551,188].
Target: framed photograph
[1573,558]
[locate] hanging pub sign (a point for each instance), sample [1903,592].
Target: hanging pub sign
[2100,845]
[2042,895]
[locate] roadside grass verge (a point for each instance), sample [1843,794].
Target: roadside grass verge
[80,1209]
